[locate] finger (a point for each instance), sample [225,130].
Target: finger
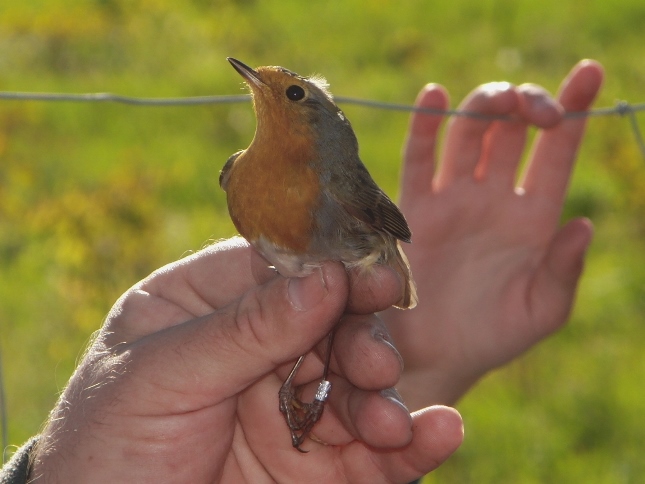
[555,150]
[364,353]
[374,290]
[362,404]
[465,134]
[360,337]
[505,141]
[185,289]
[364,368]
[436,433]
[219,355]
[378,419]
[553,289]
[360,334]
[420,146]
[537,106]
[243,266]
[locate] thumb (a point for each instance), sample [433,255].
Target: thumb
[555,283]
[218,355]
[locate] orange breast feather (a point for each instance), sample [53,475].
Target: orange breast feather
[275,194]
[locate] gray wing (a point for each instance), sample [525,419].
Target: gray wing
[363,199]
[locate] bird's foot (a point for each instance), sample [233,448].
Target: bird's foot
[301,416]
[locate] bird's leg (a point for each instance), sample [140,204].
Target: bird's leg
[289,402]
[300,416]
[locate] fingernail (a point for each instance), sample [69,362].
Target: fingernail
[384,338]
[392,395]
[306,292]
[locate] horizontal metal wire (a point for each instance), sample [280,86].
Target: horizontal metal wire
[622,108]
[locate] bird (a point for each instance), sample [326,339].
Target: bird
[300,195]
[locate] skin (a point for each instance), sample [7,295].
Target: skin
[181,383]
[508,233]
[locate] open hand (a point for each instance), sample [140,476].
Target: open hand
[495,273]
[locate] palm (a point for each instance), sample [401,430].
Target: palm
[494,272]
[483,271]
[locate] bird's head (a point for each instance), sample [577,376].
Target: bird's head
[282,98]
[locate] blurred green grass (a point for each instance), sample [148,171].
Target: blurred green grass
[95,196]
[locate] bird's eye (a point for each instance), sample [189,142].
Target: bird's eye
[295,93]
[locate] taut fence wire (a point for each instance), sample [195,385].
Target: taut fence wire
[621,108]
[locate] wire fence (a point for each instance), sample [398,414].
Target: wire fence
[621,108]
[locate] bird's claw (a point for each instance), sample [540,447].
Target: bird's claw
[301,416]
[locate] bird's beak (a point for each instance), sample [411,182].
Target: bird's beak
[250,75]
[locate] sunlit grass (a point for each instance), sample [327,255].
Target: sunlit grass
[95,196]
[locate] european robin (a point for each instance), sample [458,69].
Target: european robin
[301,195]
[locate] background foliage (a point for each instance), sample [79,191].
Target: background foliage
[95,196]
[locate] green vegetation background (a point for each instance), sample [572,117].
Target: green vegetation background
[95,196]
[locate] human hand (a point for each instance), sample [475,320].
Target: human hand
[181,384]
[495,274]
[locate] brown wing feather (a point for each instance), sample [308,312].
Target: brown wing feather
[363,199]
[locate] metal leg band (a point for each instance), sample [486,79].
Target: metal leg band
[323,391]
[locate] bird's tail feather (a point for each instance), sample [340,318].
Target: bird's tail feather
[399,262]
